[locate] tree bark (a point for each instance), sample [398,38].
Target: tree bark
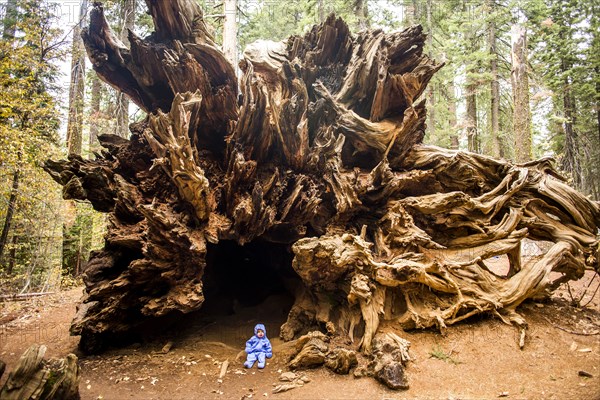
[9,21]
[12,255]
[77,87]
[321,11]
[471,119]
[452,119]
[95,118]
[570,161]
[471,98]
[230,31]
[320,163]
[520,86]
[122,102]
[10,210]
[362,14]
[431,90]
[497,149]
[597,70]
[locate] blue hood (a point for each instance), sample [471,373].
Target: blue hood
[261,327]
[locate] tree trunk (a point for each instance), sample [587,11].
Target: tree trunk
[597,70]
[362,14]
[230,32]
[570,162]
[9,21]
[497,149]
[452,119]
[471,97]
[520,87]
[319,174]
[321,11]
[96,115]
[75,121]
[122,102]
[416,11]
[471,119]
[10,210]
[77,87]
[431,90]
[12,258]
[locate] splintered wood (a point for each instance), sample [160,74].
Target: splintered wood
[320,151]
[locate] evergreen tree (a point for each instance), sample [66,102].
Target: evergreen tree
[126,23]
[29,51]
[520,87]
[77,87]
[230,47]
[566,52]
[496,148]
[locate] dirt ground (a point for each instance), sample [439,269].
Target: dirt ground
[477,359]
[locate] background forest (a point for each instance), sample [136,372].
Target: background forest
[521,81]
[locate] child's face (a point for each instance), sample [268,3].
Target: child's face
[260,333]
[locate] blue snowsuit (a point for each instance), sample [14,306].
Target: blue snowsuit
[258,348]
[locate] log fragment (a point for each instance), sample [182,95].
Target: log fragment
[37,378]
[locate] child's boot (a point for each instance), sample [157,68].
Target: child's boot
[250,360]
[261,360]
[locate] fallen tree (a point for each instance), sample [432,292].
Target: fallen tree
[318,153]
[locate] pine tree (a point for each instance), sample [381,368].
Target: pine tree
[497,150]
[230,29]
[362,14]
[520,85]
[29,124]
[127,21]
[566,52]
[95,100]
[77,87]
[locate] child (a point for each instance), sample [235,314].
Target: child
[258,347]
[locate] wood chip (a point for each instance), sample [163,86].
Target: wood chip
[573,346]
[585,373]
[586,350]
[224,367]
[167,347]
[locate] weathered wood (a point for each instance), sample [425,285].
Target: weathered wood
[321,154]
[37,378]
[223,370]
[23,296]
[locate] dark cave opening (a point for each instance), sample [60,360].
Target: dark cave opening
[247,276]
[242,285]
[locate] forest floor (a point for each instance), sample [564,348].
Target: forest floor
[476,359]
